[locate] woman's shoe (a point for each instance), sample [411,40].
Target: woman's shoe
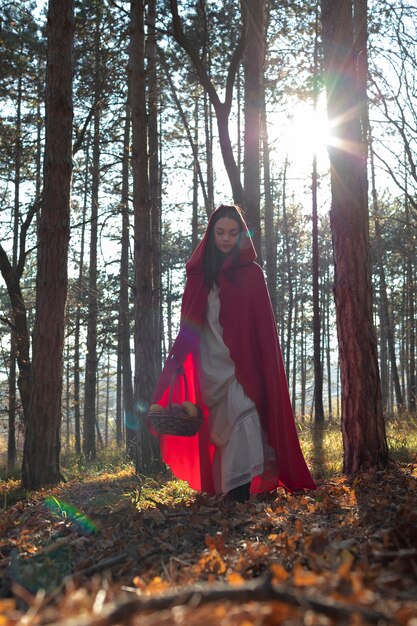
[240,493]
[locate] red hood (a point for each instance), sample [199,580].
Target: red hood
[247,252]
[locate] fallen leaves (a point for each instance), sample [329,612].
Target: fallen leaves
[347,551]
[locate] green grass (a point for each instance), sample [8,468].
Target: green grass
[323,450]
[402,438]
[160,490]
[324,455]
[107,461]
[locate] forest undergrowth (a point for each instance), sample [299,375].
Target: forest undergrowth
[111,547]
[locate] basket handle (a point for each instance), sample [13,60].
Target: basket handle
[177,373]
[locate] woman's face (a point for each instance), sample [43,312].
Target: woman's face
[226,234]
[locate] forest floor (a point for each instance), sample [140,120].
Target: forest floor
[116,548]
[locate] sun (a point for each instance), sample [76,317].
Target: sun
[307,132]
[297,136]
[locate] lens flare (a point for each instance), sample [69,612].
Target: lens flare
[70,512]
[141,406]
[131,421]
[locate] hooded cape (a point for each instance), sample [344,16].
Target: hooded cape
[250,333]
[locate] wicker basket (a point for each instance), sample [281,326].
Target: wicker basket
[173,419]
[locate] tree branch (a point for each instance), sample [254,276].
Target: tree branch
[185,43]
[23,234]
[201,69]
[186,126]
[258,590]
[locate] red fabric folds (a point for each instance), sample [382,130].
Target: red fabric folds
[250,333]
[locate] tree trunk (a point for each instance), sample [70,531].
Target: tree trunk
[11,445]
[270,228]
[107,406]
[90,390]
[194,213]
[254,16]
[383,355]
[91,361]
[119,406]
[154,178]
[363,428]
[12,272]
[328,347]
[208,130]
[67,394]
[222,116]
[11,432]
[411,321]
[124,316]
[77,329]
[318,368]
[294,353]
[19,321]
[303,367]
[145,367]
[385,316]
[42,440]
[289,329]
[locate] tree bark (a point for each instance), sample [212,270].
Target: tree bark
[11,431]
[318,367]
[385,316]
[270,228]
[411,321]
[208,131]
[19,321]
[328,346]
[42,442]
[154,178]
[125,286]
[77,329]
[363,428]
[11,444]
[290,314]
[90,393]
[145,367]
[254,17]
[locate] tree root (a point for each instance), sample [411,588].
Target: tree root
[258,590]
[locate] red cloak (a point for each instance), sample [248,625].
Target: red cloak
[250,333]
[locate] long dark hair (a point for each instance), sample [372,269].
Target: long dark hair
[213,257]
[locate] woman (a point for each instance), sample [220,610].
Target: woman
[229,350]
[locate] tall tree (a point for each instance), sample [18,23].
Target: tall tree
[254,18]
[270,230]
[21,63]
[318,368]
[344,44]
[385,313]
[90,413]
[411,321]
[124,312]
[145,366]
[154,175]
[41,463]
[77,325]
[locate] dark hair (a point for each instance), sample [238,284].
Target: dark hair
[213,257]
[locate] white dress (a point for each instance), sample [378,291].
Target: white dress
[235,428]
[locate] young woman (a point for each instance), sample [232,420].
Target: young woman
[229,351]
